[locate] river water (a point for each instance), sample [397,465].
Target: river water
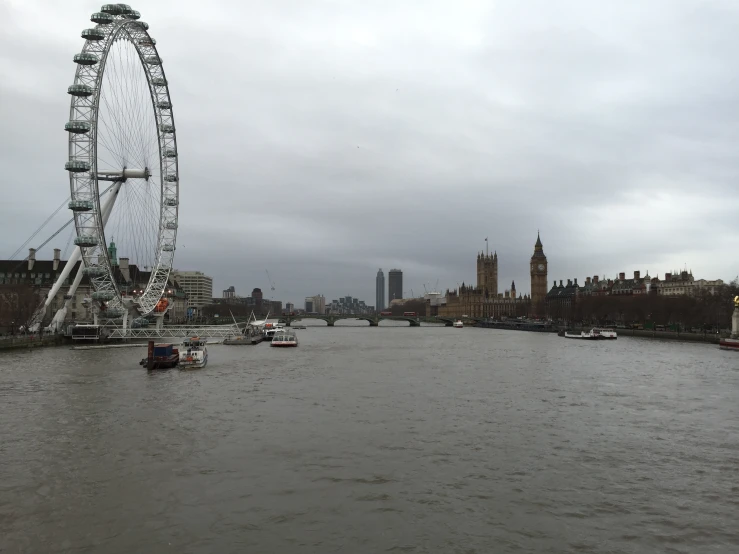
[389,439]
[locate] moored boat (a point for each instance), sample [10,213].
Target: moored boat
[270,329]
[237,340]
[194,354]
[285,338]
[458,324]
[596,333]
[729,344]
[160,356]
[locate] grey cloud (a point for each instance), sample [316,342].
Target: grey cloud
[610,126]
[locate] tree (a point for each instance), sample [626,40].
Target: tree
[17,305]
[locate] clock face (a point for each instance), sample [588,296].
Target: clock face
[541,267]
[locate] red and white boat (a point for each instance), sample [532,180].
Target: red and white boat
[284,339]
[729,344]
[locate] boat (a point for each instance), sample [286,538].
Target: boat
[284,338]
[596,333]
[237,340]
[271,328]
[458,324]
[160,356]
[729,344]
[194,354]
[241,340]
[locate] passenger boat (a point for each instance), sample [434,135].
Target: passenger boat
[285,338]
[596,333]
[270,329]
[458,324]
[160,356]
[194,354]
[729,344]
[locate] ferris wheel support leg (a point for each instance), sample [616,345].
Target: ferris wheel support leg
[125,323]
[61,314]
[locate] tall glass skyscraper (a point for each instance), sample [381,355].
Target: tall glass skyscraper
[380,291]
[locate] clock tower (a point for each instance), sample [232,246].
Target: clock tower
[538,279]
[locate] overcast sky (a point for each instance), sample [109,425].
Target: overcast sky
[322,140]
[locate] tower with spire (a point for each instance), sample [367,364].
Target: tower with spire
[113,253]
[538,279]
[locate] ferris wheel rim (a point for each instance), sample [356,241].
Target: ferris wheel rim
[88,212]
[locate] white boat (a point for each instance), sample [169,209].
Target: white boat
[270,329]
[596,333]
[285,338]
[193,354]
[458,324]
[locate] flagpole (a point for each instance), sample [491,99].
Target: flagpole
[486,247]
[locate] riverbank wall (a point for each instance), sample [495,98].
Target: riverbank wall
[30,341]
[711,338]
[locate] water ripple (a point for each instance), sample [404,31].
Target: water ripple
[369,440]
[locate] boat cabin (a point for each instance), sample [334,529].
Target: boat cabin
[194,342]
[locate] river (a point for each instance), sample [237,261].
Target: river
[388,439]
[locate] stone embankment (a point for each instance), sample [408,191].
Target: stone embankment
[30,341]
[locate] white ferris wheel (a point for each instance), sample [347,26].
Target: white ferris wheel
[123,164]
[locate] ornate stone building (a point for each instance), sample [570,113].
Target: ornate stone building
[484,300]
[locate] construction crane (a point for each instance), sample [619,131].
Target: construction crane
[271,282]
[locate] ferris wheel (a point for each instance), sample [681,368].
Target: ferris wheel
[123,163]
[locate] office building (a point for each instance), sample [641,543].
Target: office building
[198,287]
[395,285]
[316,303]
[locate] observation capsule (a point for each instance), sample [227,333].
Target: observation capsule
[113,9]
[77,166]
[93,34]
[77,127]
[94,271]
[85,58]
[101,18]
[81,205]
[80,90]
[103,295]
[86,241]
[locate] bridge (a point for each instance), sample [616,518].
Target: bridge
[373,319]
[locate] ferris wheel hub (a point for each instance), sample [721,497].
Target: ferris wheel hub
[124,174]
